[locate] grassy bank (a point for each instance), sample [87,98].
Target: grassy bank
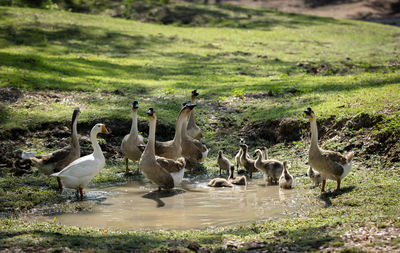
[270,69]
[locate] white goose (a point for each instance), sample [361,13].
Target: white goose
[78,174]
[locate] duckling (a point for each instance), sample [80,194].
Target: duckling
[272,168]
[131,141]
[286,180]
[248,163]
[192,129]
[241,180]
[219,182]
[56,161]
[330,164]
[315,176]
[223,162]
[239,154]
[192,150]
[78,174]
[166,173]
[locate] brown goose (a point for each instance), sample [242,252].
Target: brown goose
[192,129]
[330,164]
[285,180]
[248,163]
[131,141]
[223,162]
[172,149]
[56,161]
[271,168]
[192,150]
[166,173]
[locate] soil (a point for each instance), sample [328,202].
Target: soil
[381,11]
[354,133]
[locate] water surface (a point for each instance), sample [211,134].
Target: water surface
[137,205]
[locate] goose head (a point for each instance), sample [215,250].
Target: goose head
[309,114]
[135,105]
[76,113]
[186,109]
[257,153]
[194,94]
[151,114]
[100,128]
[220,153]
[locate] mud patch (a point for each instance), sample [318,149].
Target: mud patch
[345,67]
[364,120]
[10,95]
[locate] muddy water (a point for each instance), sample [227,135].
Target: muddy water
[137,206]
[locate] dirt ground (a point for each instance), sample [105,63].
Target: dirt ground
[382,11]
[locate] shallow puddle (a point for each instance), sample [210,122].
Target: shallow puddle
[137,206]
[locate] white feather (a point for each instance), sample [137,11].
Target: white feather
[346,170]
[178,176]
[204,155]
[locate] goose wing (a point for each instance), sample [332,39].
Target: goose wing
[334,161]
[56,156]
[161,176]
[81,167]
[169,164]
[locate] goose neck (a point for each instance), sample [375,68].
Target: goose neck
[178,128]
[96,147]
[74,133]
[314,134]
[134,126]
[150,147]
[191,117]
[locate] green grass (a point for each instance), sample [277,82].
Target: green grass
[341,68]
[55,50]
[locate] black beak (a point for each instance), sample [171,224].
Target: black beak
[150,112]
[135,104]
[308,111]
[195,93]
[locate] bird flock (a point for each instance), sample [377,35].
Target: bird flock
[164,163]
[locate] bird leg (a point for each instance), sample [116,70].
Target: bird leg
[338,185]
[126,163]
[81,192]
[220,172]
[60,186]
[323,185]
[251,174]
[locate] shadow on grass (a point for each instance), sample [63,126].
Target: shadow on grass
[327,196]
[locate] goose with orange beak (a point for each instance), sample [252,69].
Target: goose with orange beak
[78,174]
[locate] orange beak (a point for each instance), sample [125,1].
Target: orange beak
[104,129]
